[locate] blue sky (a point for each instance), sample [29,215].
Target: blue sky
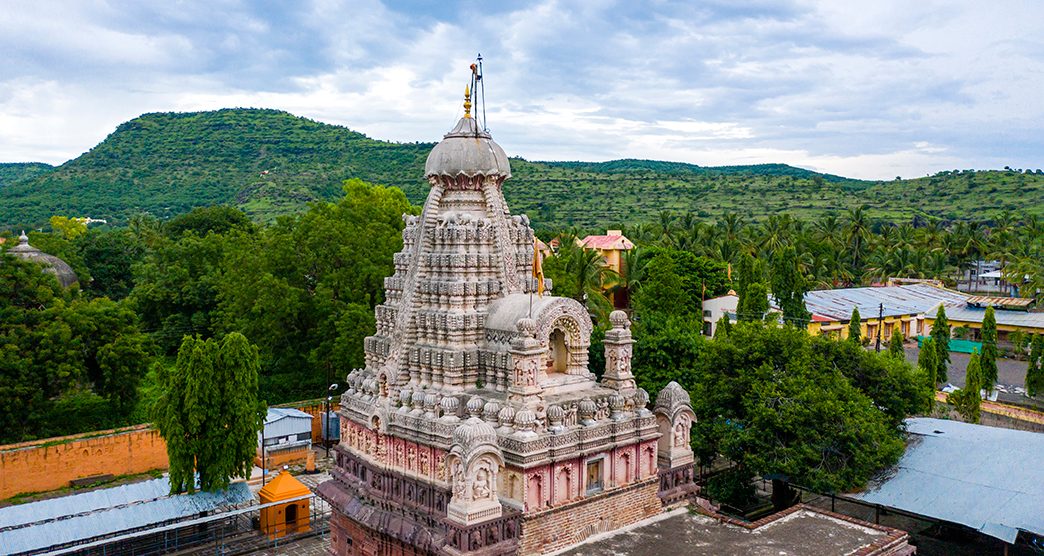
[863,89]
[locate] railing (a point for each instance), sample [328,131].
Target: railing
[227,533]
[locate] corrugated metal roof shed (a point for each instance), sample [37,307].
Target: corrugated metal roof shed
[58,521]
[986,478]
[912,299]
[1009,318]
[284,421]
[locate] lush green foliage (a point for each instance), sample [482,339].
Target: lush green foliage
[773,399]
[789,287]
[988,361]
[67,363]
[968,400]
[304,289]
[855,329]
[751,290]
[1035,367]
[14,172]
[928,363]
[209,413]
[941,340]
[581,274]
[895,344]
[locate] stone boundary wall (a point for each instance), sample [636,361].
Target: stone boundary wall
[51,463]
[573,523]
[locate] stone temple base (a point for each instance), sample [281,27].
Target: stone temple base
[569,524]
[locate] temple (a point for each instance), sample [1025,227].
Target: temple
[476,426]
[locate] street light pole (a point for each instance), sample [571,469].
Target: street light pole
[326,418]
[263,451]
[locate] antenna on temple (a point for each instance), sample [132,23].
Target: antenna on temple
[482,86]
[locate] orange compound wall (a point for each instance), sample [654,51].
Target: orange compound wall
[51,463]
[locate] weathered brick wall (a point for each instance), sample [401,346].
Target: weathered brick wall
[572,523]
[51,463]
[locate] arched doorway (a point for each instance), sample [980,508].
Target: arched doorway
[291,517]
[557,352]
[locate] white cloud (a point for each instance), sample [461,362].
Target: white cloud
[868,89]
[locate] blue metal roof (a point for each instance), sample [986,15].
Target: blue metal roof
[986,478]
[912,299]
[54,522]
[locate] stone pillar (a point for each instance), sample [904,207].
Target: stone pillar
[675,417]
[526,355]
[618,345]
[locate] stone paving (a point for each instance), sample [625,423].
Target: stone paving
[311,546]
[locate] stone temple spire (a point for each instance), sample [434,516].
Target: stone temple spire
[463,252]
[476,427]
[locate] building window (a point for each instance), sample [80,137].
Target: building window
[707,313]
[594,475]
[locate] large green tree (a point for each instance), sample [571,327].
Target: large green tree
[789,287]
[968,400]
[928,363]
[67,364]
[776,402]
[209,413]
[988,361]
[855,327]
[941,342]
[1035,367]
[304,289]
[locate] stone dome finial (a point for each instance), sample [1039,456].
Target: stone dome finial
[467,151]
[473,433]
[619,319]
[526,327]
[51,264]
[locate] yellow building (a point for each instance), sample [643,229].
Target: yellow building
[881,309]
[611,247]
[1011,313]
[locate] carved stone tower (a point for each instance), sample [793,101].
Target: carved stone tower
[476,426]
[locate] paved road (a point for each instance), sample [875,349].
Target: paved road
[1009,371]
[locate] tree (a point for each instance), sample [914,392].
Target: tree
[854,326]
[304,289]
[209,413]
[774,401]
[895,344]
[68,228]
[928,362]
[67,364]
[789,287]
[752,292]
[1035,368]
[941,341]
[967,400]
[723,327]
[988,361]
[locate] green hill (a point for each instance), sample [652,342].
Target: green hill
[13,172]
[269,162]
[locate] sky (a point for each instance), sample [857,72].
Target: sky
[869,90]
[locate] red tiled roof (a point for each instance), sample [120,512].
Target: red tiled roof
[607,242]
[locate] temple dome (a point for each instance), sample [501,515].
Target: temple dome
[54,265]
[467,151]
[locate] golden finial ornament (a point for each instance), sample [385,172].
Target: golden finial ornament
[467,101]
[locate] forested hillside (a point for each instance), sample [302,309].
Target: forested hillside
[270,163]
[11,172]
